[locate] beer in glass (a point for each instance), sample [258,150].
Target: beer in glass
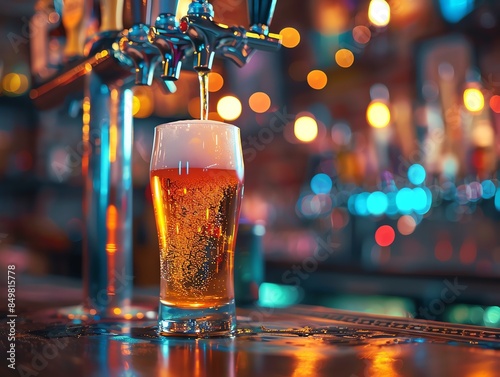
[197,183]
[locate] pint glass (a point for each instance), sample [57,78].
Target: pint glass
[197,182]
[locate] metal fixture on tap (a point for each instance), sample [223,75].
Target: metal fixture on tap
[116,60]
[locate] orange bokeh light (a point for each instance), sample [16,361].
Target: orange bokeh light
[259,102]
[317,79]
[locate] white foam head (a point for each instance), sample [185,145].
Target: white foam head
[198,144]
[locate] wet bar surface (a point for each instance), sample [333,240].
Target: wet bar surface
[298,341]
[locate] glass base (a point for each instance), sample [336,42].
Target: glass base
[199,323]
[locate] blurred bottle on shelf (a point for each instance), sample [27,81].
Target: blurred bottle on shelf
[47,40]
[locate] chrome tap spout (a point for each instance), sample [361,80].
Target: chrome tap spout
[171,42]
[144,56]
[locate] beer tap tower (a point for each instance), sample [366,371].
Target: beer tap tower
[114,61]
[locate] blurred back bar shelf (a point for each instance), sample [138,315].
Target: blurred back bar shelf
[371,156]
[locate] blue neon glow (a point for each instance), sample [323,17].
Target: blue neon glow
[455,10]
[404,200]
[377,203]
[321,184]
[488,189]
[416,174]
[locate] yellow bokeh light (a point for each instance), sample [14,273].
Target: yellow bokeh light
[229,107]
[259,102]
[317,79]
[15,83]
[305,129]
[142,102]
[290,37]
[215,81]
[379,13]
[344,58]
[117,311]
[378,114]
[473,100]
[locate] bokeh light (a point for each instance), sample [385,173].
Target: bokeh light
[495,103]
[385,235]
[492,316]
[361,34]
[321,184]
[142,102]
[305,129]
[454,10]
[406,225]
[317,79]
[229,107]
[405,200]
[377,203]
[259,102]
[489,189]
[468,252]
[344,58]
[379,13]
[378,114]
[443,250]
[482,134]
[215,81]
[473,100]
[15,83]
[290,37]
[416,174]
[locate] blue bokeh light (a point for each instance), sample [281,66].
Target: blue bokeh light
[377,203]
[404,200]
[360,205]
[422,200]
[455,10]
[416,174]
[321,184]
[488,189]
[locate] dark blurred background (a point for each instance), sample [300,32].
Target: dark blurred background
[371,145]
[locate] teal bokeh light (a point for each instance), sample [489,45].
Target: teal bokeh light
[404,200]
[377,203]
[416,174]
[321,184]
[455,10]
[488,189]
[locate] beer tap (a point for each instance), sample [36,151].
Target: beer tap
[171,41]
[135,46]
[231,42]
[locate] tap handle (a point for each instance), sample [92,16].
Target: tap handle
[261,13]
